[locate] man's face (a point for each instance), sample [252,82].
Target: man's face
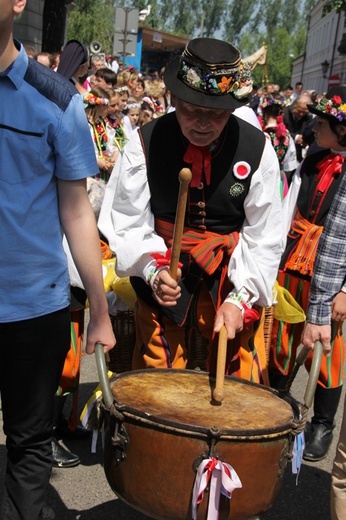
[299,110]
[201,126]
[98,64]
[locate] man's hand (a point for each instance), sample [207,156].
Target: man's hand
[100,330]
[165,289]
[230,316]
[339,307]
[313,332]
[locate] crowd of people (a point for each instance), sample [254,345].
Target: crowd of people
[117,100]
[259,218]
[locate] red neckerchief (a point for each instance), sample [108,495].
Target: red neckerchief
[200,159]
[329,167]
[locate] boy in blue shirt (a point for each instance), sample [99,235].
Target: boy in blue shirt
[46,154]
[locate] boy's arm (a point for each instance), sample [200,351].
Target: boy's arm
[79,226]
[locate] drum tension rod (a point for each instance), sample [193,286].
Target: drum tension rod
[210,453]
[120,440]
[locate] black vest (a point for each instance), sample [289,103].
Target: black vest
[218,207]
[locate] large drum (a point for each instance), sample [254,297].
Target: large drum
[163,424]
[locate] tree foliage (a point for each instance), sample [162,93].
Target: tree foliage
[281,24]
[92,20]
[212,16]
[239,17]
[337,5]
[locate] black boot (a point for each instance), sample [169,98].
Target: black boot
[62,458]
[322,424]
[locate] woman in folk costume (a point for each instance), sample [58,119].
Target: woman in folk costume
[115,118]
[231,245]
[96,102]
[281,139]
[310,197]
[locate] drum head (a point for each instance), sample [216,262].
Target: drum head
[183,398]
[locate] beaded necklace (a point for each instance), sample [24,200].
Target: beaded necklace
[119,134]
[100,135]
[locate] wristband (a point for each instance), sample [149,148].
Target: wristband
[235,299]
[152,275]
[154,271]
[249,314]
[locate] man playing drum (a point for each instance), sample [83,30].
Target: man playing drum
[231,244]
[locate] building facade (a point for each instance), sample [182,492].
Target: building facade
[153,50]
[323,62]
[28,26]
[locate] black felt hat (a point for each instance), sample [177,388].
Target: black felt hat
[333,106]
[210,73]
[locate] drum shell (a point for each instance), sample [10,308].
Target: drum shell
[158,472]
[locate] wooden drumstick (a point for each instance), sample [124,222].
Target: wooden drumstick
[218,393]
[185,177]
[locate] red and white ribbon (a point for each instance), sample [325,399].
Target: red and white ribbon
[221,479]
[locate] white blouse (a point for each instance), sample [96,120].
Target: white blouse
[127,222]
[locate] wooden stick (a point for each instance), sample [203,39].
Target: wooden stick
[185,176]
[218,393]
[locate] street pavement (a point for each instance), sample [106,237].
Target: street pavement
[83,492]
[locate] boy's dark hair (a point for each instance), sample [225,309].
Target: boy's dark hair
[108,75]
[145,106]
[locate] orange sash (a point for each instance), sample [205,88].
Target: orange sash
[303,256]
[206,248]
[209,250]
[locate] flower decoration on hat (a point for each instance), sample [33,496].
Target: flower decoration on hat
[236,81]
[92,100]
[333,107]
[269,102]
[224,84]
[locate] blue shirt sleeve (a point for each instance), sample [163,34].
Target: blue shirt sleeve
[73,146]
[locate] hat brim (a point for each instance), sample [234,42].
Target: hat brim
[329,117]
[195,97]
